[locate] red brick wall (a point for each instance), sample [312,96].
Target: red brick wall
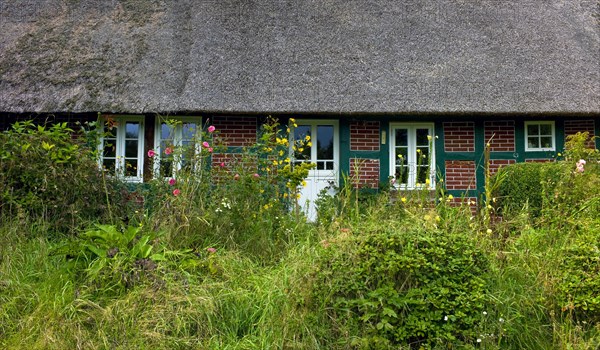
[236,130]
[469,201]
[459,136]
[364,173]
[364,136]
[460,175]
[574,126]
[503,132]
[230,162]
[496,164]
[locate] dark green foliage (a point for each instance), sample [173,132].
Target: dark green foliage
[578,285]
[47,172]
[418,287]
[528,185]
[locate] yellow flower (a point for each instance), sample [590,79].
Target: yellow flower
[287,160]
[309,144]
[438,218]
[297,195]
[450,196]
[429,137]
[489,231]
[292,120]
[303,183]
[307,138]
[281,153]
[559,154]
[403,199]
[419,150]
[275,162]
[285,195]
[427,182]
[287,130]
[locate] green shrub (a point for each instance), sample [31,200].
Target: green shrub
[48,173]
[578,285]
[419,287]
[526,185]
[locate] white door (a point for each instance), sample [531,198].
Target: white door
[324,152]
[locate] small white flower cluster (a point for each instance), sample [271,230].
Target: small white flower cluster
[225,204]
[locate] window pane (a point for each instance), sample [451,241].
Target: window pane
[188,131]
[166,168]
[329,165]
[402,175]
[300,133]
[325,142]
[533,142]
[131,167]
[320,165]
[546,141]
[109,149]
[422,156]
[546,129]
[401,156]
[401,137]
[422,137]
[132,130]
[131,148]
[422,174]
[109,165]
[166,131]
[532,129]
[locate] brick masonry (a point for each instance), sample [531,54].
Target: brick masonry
[471,202]
[503,133]
[236,131]
[459,137]
[364,173]
[496,164]
[233,162]
[364,136]
[460,175]
[574,126]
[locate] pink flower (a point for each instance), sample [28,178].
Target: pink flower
[168,150]
[176,192]
[222,165]
[236,177]
[580,164]
[211,128]
[210,149]
[172,182]
[205,144]
[256,176]
[211,250]
[151,153]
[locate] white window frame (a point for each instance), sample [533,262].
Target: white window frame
[530,149]
[121,122]
[177,140]
[314,123]
[412,153]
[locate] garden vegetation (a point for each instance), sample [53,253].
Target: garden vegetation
[219,256]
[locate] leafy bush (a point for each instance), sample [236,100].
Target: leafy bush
[578,285]
[47,173]
[528,185]
[391,288]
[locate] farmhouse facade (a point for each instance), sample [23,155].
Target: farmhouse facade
[410,92]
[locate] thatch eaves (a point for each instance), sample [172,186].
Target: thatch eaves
[308,56]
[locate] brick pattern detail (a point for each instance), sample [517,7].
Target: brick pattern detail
[233,162]
[460,175]
[496,164]
[459,137]
[471,202]
[364,173]
[572,127]
[236,130]
[503,132]
[364,136]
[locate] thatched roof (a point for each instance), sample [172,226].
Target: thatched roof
[346,56]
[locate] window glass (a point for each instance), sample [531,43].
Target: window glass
[411,155]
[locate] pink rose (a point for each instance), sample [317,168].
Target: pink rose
[168,150]
[222,165]
[176,192]
[211,250]
[172,182]
[210,149]
[205,144]
[211,128]
[151,153]
[256,176]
